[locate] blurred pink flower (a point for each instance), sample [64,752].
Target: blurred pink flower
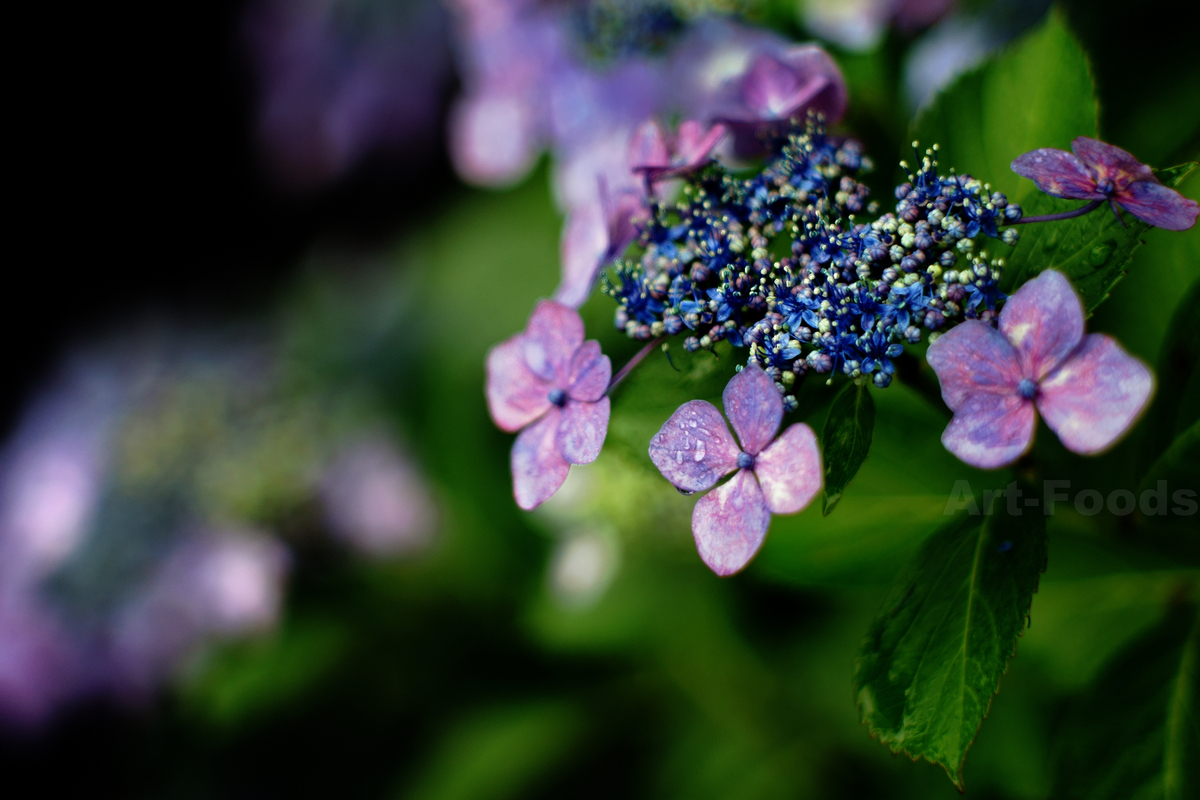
[1086,387]
[376,500]
[550,384]
[1100,171]
[694,450]
[213,583]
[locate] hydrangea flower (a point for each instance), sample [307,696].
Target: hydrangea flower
[694,450]
[1098,171]
[658,157]
[550,384]
[1088,390]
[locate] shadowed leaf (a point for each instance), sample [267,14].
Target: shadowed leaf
[846,440]
[934,655]
[1137,732]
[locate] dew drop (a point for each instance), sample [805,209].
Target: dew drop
[699,456]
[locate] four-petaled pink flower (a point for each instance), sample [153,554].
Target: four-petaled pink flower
[1086,387]
[694,450]
[652,153]
[552,383]
[1100,171]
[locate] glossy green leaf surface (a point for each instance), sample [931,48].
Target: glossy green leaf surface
[1136,734]
[846,440]
[934,655]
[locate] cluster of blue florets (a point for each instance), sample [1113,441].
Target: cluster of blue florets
[778,263]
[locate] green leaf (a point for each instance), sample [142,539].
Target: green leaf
[1177,400]
[1037,93]
[934,655]
[846,440]
[1137,732]
[1093,250]
[1179,466]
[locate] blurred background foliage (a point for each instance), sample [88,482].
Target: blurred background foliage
[582,650]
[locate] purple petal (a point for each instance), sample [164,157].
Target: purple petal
[802,78]
[538,468]
[990,430]
[1057,172]
[755,408]
[515,396]
[772,90]
[648,146]
[1095,396]
[789,470]
[730,523]
[971,358]
[582,430]
[694,143]
[590,371]
[693,449]
[1108,161]
[1044,322]
[584,239]
[1159,206]
[623,213]
[552,336]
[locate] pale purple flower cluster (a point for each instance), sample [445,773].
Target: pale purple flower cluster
[529,85]
[122,553]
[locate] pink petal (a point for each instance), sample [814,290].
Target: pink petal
[754,406]
[584,239]
[730,523]
[1159,206]
[1044,322]
[582,430]
[1095,396]
[789,470]
[648,146]
[694,143]
[971,358]
[1107,161]
[515,396]
[538,468]
[552,336]
[1057,172]
[990,430]
[493,140]
[694,449]
[589,374]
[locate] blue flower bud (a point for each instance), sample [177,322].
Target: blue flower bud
[1012,212]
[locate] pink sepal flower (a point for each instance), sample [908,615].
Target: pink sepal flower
[694,450]
[1100,171]
[550,384]
[1088,390]
[659,157]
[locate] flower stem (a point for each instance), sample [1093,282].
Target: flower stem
[1079,212]
[633,362]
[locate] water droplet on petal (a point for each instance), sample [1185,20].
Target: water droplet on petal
[699,456]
